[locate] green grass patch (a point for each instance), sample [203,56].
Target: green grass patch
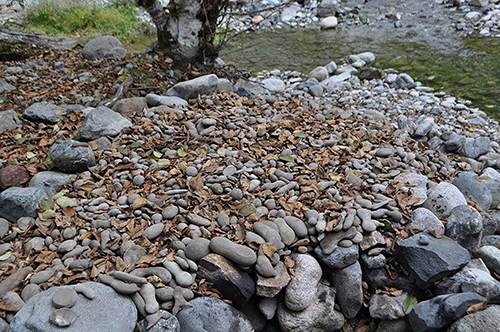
[84,19]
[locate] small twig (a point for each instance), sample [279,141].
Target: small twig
[120,92]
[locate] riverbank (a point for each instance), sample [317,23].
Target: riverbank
[308,204]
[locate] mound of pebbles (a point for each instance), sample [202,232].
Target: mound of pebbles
[300,210]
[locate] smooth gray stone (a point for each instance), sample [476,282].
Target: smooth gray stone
[104,47]
[102,121]
[154,100]
[108,311]
[475,147]
[300,292]
[8,120]
[404,81]
[212,315]
[192,88]
[273,84]
[197,249]
[239,254]
[20,202]
[432,261]
[50,181]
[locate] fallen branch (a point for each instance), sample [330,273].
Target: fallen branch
[18,37]
[120,92]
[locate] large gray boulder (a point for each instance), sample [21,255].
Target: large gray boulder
[20,202]
[6,87]
[475,147]
[102,121]
[195,87]
[318,317]
[71,156]
[300,292]
[44,112]
[443,198]
[424,220]
[214,315]
[481,321]
[429,259]
[108,311]
[8,120]
[348,283]
[469,184]
[104,47]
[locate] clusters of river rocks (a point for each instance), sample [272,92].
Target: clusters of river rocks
[482,16]
[308,203]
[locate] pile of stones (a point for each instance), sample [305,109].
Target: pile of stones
[482,16]
[306,204]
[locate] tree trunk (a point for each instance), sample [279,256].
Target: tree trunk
[186,30]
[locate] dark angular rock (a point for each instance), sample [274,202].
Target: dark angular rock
[50,181]
[441,311]
[347,282]
[475,147]
[44,113]
[234,283]
[465,225]
[386,307]
[71,156]
[8,120]
[429,259]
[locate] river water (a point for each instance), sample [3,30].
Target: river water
[427,47]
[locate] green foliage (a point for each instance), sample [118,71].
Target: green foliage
[79,19]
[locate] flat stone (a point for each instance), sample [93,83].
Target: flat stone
[13,176]
[349,289]
[20,202]
[339,258]
[63,317]
[234,283]
[44,113]
[6,87]
[331,241]
[172,101]
[273,84]
[108,311]
[465,225]
[104,47]
[270,287]
[50,181]
[214,315]
[71,156]
[443,198]
[430,262]
[300,292]
[195,87]
[102,121]
[470,185]
[418,183]
[320,316]
[64,298]
[8,120]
